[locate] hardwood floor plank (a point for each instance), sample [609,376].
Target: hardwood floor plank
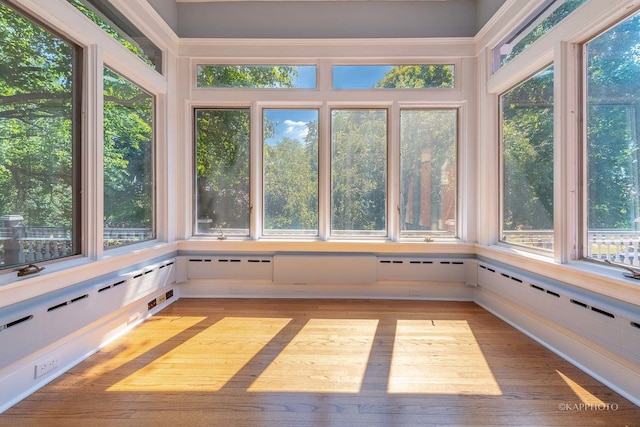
[226,362]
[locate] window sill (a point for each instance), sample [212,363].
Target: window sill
[68,272]
[592,276]
[338,245]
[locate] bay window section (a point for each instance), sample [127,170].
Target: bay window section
[428,173]
[222,149]
[40,89]
[612,151]
[290,172]
[527,163]
[358,172]
[128,162]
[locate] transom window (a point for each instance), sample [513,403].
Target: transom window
[393,76]
[256,76]
[549,14]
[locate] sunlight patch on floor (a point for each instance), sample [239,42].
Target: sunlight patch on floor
[162,328]
[326,356]
[439,357]
[584,395]
[223,349]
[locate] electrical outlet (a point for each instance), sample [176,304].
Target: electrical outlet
[151,304]
[169,293]
[46,367]
[161,298]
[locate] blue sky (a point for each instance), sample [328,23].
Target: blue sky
[358,76]
[292,124]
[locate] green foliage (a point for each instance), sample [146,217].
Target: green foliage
[222,167]
[359,170]
[418,76]
[428,155]
[128,154]
[291,185]
[613,76]
[36,140]
[114,32]
[527,137]
[246,76]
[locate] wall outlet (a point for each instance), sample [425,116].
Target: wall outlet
[161,298]
[46,367]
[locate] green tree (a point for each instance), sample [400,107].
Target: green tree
[128,154]
[36,123]
[359,170]
[527,139]
[291,185]
[613,114]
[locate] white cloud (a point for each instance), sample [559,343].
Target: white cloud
[296,130]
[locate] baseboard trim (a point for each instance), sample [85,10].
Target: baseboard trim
[18,379]
[617,373]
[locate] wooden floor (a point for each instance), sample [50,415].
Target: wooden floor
[210,362]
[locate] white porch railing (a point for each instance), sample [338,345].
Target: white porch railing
[24,245]
[621,246]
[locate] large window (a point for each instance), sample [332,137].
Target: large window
[290,142]
[326,167]
[39,140]
[128,162]
[359,172]
[428,173]
[527,162]
[222,172]
[612,118]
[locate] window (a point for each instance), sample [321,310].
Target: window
[39,143]
[547,16]
[359,172]
[128,162]
[290,165]
[428,172]
[222,171]
[612,118]
[527,162]
[393,76]
[257,76]
[120,28]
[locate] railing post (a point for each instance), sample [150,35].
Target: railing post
[12,247]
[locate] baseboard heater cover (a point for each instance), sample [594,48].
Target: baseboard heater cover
[324,269]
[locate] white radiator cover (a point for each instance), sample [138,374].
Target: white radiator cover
[611,324]
[324,269]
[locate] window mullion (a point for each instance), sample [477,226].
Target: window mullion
[93,149]
[324,172]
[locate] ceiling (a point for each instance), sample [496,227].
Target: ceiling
[326,18]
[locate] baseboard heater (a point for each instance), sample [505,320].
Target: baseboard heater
[343,269]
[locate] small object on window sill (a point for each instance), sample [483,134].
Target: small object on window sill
[221,236]
[428,239]
[632,272]
[29,269]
